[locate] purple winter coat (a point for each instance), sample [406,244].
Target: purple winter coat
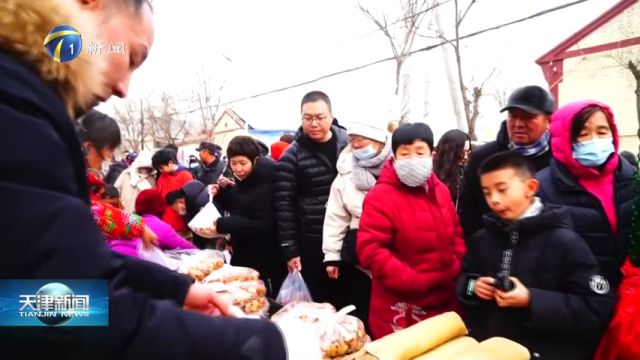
[168,238]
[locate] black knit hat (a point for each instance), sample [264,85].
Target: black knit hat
[407,134]
[532,99]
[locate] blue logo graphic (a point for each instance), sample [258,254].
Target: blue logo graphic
[63,43]
[54,303]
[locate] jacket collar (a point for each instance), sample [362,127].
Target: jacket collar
[623,175]
[503,136]
[552,216]
[263,171]
[24,26]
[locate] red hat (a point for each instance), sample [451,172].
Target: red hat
[278,148]
[150,202]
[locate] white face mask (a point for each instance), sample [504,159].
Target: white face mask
[366,153]
[414,172]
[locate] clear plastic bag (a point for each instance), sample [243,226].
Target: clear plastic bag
[203,223]
[156,256]
[201,264]
[228,274]
[248,297]
[308,312]
[341,334]
[301,339]
[293,289]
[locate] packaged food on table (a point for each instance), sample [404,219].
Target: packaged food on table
[246,296]
[308,312]
[341,335]
[202,263]
[228,274]
[256,287]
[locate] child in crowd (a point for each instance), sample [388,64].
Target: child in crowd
[528,276]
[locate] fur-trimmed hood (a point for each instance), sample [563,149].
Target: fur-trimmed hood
[26,23]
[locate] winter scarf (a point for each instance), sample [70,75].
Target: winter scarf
[539,147]
[366,172]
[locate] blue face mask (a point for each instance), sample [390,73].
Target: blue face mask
[366,153]
[593,153]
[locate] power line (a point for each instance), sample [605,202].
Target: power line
[428,48]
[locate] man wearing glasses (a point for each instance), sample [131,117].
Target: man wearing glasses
[303,181]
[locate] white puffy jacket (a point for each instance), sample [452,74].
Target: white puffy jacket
[344,207]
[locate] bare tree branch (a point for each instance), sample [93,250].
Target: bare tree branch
[466,11]
[131,126]
[401,42]
[166,125]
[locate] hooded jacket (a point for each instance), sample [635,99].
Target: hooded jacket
[130,183]
[344,207]
[567,312]
[411,241]
[47,230]
[599,201]
[471,204]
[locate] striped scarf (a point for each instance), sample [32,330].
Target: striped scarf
[539,147]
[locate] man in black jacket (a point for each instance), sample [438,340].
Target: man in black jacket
[211,163]
[526,131]
[47,230]
[303,181]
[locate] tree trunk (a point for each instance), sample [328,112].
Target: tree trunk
[398,70]
[477,94]
[461,122]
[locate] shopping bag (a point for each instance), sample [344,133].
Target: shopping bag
[203,224]
[341,334]
[155,255]
[293,289]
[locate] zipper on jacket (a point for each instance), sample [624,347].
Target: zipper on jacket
[507,254]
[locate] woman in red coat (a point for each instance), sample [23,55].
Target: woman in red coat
[410,237]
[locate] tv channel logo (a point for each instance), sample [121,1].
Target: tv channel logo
[63,43]
[54,303]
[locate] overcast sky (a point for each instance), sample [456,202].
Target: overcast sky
[255,46]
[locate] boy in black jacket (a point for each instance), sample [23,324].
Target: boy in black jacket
[527,275]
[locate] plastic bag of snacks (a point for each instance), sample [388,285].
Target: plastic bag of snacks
[201,264]
[228,274]
[341,334]
[308,312]
[301,339]
[204,222]
[248,297]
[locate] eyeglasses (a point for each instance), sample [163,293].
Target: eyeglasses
[357,140]
[312,118]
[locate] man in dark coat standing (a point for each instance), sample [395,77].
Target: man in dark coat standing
[303,182]
[526,131]
[211,164]
[47,230]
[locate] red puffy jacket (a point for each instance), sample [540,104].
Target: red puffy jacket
[167,183]
[411,241]
[620,342]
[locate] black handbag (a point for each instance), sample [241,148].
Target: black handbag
[348,252]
